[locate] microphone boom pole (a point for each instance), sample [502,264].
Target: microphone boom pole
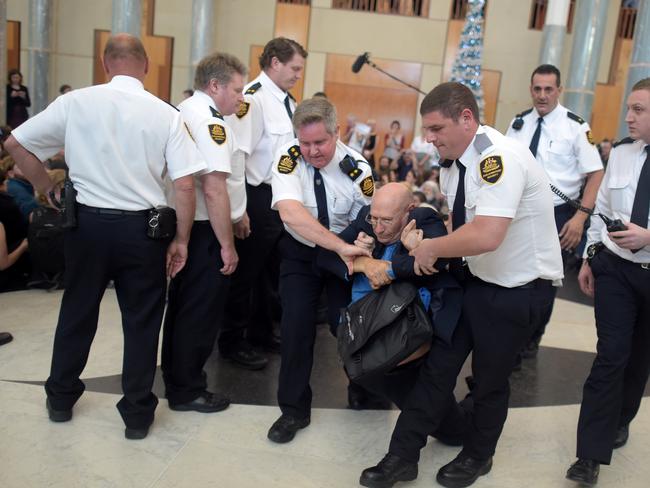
[364,59]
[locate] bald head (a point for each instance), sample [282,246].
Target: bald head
[390,207]
[124,54]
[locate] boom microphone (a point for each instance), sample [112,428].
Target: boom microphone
[361,60]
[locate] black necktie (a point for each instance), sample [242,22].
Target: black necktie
[321,199]
[641,205]
[534,142]
[458,212]
[287,105]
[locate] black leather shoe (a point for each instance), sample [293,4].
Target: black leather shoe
[463,471]
[622,433]
[206,402]
[245,357]
[389,471]
[584,471]
[57,415]
[136,434]
[5,338]
[284,429]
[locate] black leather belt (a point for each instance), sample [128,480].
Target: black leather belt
[645,266]
[526,286]
[109,211]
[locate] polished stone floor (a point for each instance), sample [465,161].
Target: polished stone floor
[230,449]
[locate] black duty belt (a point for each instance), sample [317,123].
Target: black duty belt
[109,211]
[526,286]
[606,250]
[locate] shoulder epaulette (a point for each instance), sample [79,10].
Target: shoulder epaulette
[518,123]
[627,140]
[216,113]
[350,167]
[253,88]
[171,105]
[575,117]
[294,152]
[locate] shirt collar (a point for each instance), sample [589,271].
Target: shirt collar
[552,115]
[126,83]
[269,84]
[205,99]
[471,155]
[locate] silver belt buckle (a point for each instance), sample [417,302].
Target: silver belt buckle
[645,265]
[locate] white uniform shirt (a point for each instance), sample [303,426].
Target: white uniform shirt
[294,180]
[262,126]
[565,149]
[504,180]
[218,146]
[616,197]
[119,141]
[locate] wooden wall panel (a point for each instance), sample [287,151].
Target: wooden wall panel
[292,21]
[13,45]
[370,94]
[606,111]
[159,51]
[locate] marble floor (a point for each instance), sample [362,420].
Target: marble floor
[230,449]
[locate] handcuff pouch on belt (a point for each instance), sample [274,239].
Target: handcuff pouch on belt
[594,249]
[161,223]
[67,204]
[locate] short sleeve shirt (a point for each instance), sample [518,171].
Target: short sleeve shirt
[616,196]
[217,144]
[262,126]
[566,150]
[120,141]
[293,179]
[504,180]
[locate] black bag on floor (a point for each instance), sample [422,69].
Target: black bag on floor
[382,329]
[45,237]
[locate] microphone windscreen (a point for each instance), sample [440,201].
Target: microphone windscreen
[360,61]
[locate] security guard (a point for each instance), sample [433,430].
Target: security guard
[119,141]
[262,126]
[617,275]
[562,143]
[197,294]
[502,207]
[319,186]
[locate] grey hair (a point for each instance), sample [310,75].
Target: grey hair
[313,110]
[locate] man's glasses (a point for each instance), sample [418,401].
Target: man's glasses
[373,221]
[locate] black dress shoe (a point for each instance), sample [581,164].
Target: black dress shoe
[136,434]
[57,415]
[245,357]
[284,429]
[206,402]
[463,471]
[389,471]
[622,433]
[584,471]
[5,338]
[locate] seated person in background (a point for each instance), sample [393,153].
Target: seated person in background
[19,188]
[379,227]
[14,264]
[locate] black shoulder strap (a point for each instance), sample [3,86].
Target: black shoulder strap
[575,117]
[627,140]
[216,113]
[253,88]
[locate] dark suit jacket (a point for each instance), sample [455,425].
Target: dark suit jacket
[446,293]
